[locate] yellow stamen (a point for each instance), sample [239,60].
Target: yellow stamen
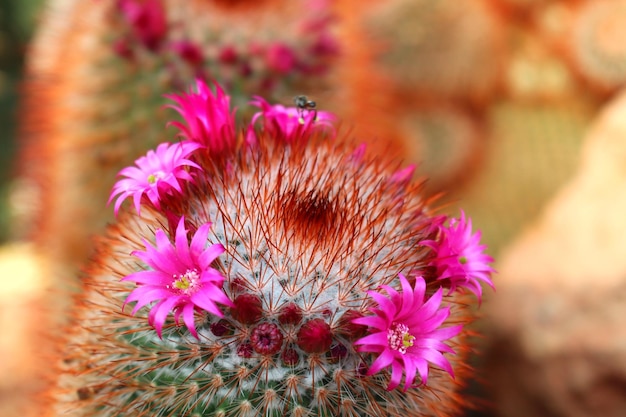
[187,282]
[399,337]
[407,340]
[183,283]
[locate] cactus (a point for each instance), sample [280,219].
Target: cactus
[304,276]
[592,46]
[438,49]
[436,66]
[90,107]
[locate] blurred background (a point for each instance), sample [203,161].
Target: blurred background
[18,20]
[17,23]
[510,107]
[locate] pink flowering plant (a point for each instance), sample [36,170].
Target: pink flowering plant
[207,117]
[310,275]
[263,61]
[158,173]
[291,123]
[461,260]
[147,21]
[180,278]
[407,333]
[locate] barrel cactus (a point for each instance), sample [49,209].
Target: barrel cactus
[275,269]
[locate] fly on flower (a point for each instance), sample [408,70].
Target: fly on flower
[303,104]
[291,123]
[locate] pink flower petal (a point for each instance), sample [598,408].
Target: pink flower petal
[205,302]
[149,278]
[407,332]
[290,124]
[373,339]
[199,241]
[188,318]
[159,170]
[144,296]
[460,259]
[385,359]
[160,311]
[208,256]
[208,119]
[178,280]
[410,371]
[396,375]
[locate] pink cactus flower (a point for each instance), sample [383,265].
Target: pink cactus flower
[181,278]
[405,333]
[460,257]
[207,117]
[403,176]
[291,123]
[280,58]
[156,173]
[147,19]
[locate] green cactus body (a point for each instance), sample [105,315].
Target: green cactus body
[307,230]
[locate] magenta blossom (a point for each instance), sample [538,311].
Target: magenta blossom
[147,19]
[280,58]
[460,257]
[291,123]
[208,119]
[181,278]
[156,173]
[403,176]
[405,333]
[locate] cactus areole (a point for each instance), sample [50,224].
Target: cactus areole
[289,274]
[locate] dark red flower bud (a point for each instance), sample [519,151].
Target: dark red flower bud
[338,351]
[248,308]
[290,357]
[290,314]
[244,350]
[188,51]
[266,339]
[238,285]
[346,328]
[315,336]
[228,55]
[361,369]
[221,328]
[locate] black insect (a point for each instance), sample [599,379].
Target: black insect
[304,106]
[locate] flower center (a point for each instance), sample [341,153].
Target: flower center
[266,339]
[187,282]
[462,260]
[399,337]
[155,176]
